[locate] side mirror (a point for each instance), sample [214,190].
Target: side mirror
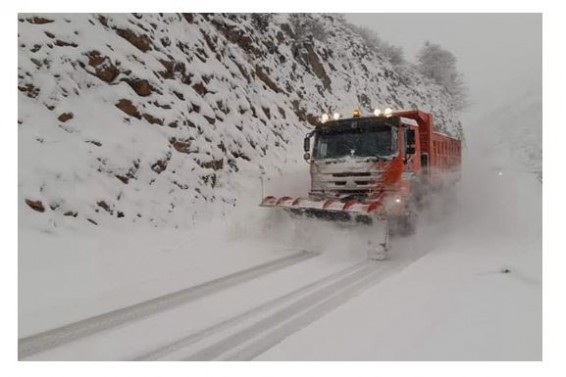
[410,150]
[307,144]
[411,138]
[307,156]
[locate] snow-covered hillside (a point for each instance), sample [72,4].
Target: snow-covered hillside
[161,118]
[514,130]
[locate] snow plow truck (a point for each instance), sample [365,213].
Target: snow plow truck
[376,170]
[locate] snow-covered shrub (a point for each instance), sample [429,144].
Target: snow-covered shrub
[392,53]
[305,26]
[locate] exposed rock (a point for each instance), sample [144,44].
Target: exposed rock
[241,155]
[153,120]
[242,71]
[169,72]
[71,213]
[200,88]
[287,29]
[266,79]
[103,20]
[105,70]
[102,204]
[36,205]
[181,145]
[65,117]
[267,112]
[209,41]
[141,42]
[222,147]
[126,106]
[141,87]
[317,66]
[95,58]
[237,36]
[161,165]
[179,95]
[39,20]
[214,164]
[365,101]
[209,179]
[29,90]
[61,43]
[123,179]
[209,119]
[189,17]
[37,63]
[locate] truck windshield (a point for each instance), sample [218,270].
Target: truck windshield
[366,140]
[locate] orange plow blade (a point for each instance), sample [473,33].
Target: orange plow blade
[329,209]
[352,211]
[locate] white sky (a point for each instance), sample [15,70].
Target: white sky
[500,54]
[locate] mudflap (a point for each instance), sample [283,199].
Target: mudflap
[379,244]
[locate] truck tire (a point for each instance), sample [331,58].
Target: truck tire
[401,226]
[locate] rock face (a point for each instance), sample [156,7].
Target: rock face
[185,108]
[35,205]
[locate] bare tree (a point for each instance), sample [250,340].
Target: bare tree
[439,65]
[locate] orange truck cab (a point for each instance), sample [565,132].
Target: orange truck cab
[392,158]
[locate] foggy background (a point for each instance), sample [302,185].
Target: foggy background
[500,55]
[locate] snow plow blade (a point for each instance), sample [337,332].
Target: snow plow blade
[329,209]
[352,211]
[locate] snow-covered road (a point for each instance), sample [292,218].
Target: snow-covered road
[237,316]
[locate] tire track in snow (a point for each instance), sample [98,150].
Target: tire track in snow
[234,321]
[68,333]
[340,291]
[256,348]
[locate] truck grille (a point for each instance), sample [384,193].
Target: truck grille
[346,183]
[343,175]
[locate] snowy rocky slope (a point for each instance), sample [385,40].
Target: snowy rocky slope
[151,118]
[516,127]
